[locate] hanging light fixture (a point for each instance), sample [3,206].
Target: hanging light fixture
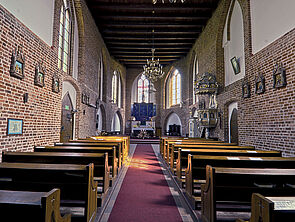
[153,70]
[170,1]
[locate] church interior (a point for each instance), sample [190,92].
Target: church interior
[147,110]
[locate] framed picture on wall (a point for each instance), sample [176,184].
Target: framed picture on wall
[235,62]
[55,84]
[40,75]
[259,84]
[17,64]
[14,127]
[245,89]
[279,76]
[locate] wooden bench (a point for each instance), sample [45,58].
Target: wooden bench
[230,189]
[271,209]
[173,153]
[78,188]
[113,160]
[86,143]
[100,161]
[18,206]
[182,157]
[203,144]
[196,171]
[168,143]
[124,143]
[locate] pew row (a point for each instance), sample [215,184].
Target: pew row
[271,209]
[113,160]
[182,157]
[18,206]
[173,154]
[86,143]
[230,189]
[100,161]
[173,148]
[78,189]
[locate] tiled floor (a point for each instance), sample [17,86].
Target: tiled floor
[185,211]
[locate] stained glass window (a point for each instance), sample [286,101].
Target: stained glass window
[143,90]
[64,38]
[174,88]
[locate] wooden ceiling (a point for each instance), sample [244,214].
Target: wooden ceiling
[131,28]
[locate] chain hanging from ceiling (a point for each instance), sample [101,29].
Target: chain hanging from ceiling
[153,70]
[170,1]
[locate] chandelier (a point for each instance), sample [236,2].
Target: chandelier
[153,70]
[170,1]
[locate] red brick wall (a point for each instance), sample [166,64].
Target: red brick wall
[42,113]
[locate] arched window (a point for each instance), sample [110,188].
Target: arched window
[100,78]
[195,72]
[143,89]
[174,88]
[116,89]
[64,37]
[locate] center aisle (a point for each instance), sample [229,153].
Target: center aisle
[144,194]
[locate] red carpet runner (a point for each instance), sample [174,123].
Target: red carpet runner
[144,194]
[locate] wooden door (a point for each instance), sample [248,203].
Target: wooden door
[66,119]
[234,132]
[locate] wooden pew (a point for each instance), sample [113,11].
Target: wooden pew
[182,158]
[202,144]
[167,143]
[18,206]
[86,143]
[196,171]
[78,188]
[113,160]
[271,209]
[100,161]
[232,188]
[125,140]
[173,153]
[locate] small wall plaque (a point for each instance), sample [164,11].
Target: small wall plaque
[85,99]
[17,64]
[279,76]
[245,89]
[14,127]
[259,84]
[40,74]
[55,84]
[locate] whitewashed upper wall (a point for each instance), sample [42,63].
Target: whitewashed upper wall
[270,19]
[235,45]
[37,15]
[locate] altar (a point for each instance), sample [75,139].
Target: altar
[143,124]
[148,127]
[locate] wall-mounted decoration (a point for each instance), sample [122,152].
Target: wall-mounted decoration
[40,74]
[17,64]
[259,84]
[235,62]
[245,89]
[279,76]
[85,99]
[14,127]
[55,84]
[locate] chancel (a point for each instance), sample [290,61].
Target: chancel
[147,110]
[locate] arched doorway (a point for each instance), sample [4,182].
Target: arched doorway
[173,125]
[116,124]
[100,119]
[67,123]
[234,133]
